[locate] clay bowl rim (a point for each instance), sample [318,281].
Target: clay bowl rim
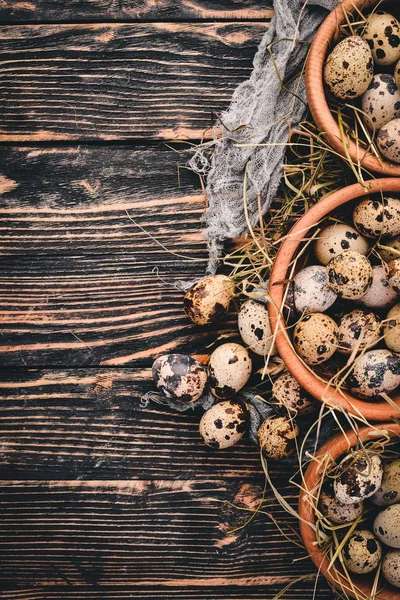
[334,448]
[372,411]
[316,95]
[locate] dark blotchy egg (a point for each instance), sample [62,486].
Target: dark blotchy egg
[358,329]
[375,217]
[381,101]
[349,68]
[311,292]
[224,424]
[336,511]
[276,437]
[288,395]
[229,370]
[254,327]
[380,294]
[389,490]
[387,526]
[374,373]
[315,338]
[362,553]
[180,377]
[359,478]
[332,240]
[382,33]
[350,275]
[209,299]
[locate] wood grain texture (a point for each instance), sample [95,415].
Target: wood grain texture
[118,81]
[99,200]
[33,11]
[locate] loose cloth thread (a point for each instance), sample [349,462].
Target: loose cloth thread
[260,112]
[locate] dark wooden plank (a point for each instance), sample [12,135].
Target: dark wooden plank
[91,423]
[110,310]
[119,81]
[81,199]
[140,533]
[34,11]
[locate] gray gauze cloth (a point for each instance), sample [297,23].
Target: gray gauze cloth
[259,113]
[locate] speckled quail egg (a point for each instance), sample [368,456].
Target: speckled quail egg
[277,436]
[332,240]
[389,249]
[380,294]
[382,33]
[209,299]
[349,68]
[228,370]
[381,102]
[311,291]
[315,338]
[375,217]
[288,395]
[391,567]
[374,373]
[358,329]
[349,275]
[391,329]
[224,424]
[388,140]
[255,329]
[389,490]
[362,553]
[387,526]
[359,478]
[180,377]
[336,511]
[394,274]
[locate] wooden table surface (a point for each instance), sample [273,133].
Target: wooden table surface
[101,496]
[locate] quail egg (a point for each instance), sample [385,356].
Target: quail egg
[332,240]
[375,217]
[362,553]
[374,373]
[209,299]
[224,424]
[380,294]
[394,274]
[389,249]
[228,370]
[254,327]
[336,511]
[359,478]
[358,329]
[180,377]
[382,33]
[277,436]
[311,291]
[288,395]
[315,338]
[349,68]
[391,567]
[391,330]
[389,490]
[387,526]
[350,275]
[388,140]
[381,101]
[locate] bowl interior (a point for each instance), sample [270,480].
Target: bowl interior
[280,274]
[317,97]
[334,448]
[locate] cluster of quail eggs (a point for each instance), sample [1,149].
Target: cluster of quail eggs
[186,381]
[347,307]
[367,66]
[364,495]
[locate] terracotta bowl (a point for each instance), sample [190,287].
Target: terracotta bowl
[334,448]
[376,411]
[316,96]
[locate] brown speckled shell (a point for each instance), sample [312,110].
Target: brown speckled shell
[229,370]
[391,567]
[391,329]
[380,294]
[209,299]
[315,338]
[389,490]
[311,292]
[350,275]
[349,68]
[362,553]
[358,328]
[388,140]
[394,274]
[336,511]
[288,395]
[383,36]
[375,217]
[381,101]
[359,478]
[180,377]
[276,437]
[332,240]
[224,424]
[387,526]
[375,372]
[391,249]
[254,327]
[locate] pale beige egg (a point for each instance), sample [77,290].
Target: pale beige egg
[382,33]
[349,68]
[315,338]
[277,436]
[229,370]
[350,275]
[391,330]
